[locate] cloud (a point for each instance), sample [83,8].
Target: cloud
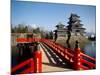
[34,26]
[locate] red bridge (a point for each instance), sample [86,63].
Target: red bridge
[70,59]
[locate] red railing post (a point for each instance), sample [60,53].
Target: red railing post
[77,57]
[38,61]
[37,56]
[32,66]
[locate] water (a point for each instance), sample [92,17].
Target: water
[90,49]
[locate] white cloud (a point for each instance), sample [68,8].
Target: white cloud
[34,26]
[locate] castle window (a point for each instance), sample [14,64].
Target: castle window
[77,30]
[76,26]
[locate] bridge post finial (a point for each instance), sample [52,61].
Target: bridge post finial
[77,56]
[76,44]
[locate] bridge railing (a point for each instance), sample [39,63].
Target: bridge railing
[59,49]
[30,69]
[34,65]
[25,40]
[80,62]
[74,56]
[31,65]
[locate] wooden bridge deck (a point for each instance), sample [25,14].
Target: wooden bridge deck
[51,62]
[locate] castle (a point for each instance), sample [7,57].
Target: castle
[74,26]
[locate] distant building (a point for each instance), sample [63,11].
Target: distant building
[61,31]
[74,26]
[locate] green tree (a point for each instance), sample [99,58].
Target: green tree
[51,35]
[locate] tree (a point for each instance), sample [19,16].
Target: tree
[69,29]
[26,29]
[51,34]
[47,36]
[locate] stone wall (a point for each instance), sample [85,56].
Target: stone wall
[82,41]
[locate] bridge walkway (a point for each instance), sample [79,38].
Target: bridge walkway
[51,62]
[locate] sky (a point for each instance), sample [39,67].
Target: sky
[48,15]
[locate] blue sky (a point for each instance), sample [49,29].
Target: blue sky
[48,15]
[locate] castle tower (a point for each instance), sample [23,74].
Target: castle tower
[60,30]
[75,26]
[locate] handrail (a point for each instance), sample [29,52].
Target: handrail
[88,63]
[24,40]
[21,40]
[26,71]
[70,53]
[19,66]
[84,67]
[35,62]
[87,56]
[61,49]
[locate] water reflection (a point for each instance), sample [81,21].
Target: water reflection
[90,49]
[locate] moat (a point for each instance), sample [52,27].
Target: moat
[90,49]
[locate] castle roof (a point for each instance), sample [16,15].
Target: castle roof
[75,15]
[60,25]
